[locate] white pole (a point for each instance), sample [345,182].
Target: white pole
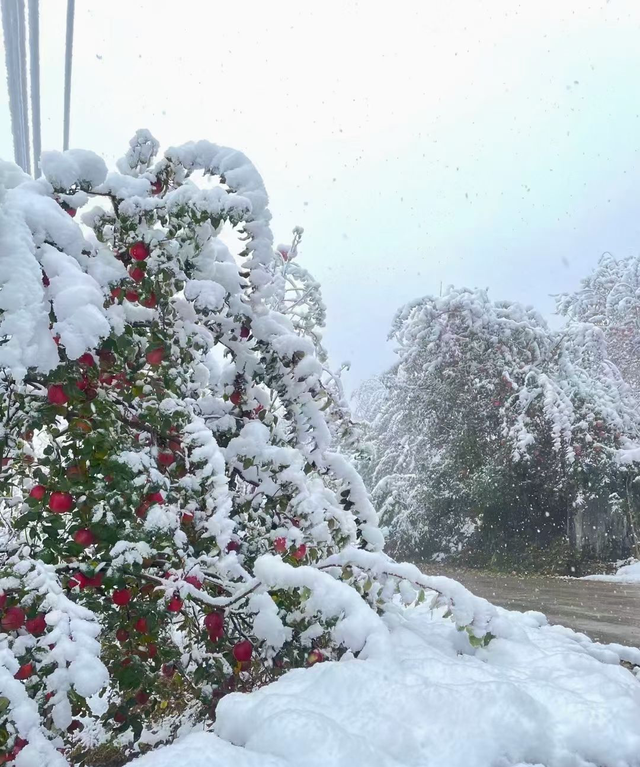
[67,72]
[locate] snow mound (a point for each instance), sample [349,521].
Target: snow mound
[626,574]
[538,695]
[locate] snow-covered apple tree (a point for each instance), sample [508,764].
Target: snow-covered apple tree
[176,523]
[609,297]
[492,425]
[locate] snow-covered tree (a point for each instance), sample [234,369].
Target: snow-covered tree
[493,425]
[610,299]
[175,520]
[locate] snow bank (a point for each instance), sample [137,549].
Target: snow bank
[626,574]
[544,696]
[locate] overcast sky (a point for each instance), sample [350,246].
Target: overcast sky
[490,144]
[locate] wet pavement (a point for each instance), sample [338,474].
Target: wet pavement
[607,612]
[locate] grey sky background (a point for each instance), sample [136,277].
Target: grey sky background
[490,144]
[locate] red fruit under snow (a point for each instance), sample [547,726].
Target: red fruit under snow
[136,274]
[155,356]
[38,492]
[56,395]
[78,580]
[152,650]
[244,332]
[150,301]
[174,605]
[194,581]
[83,383]
[300,552]
[24,672]
[187,517]
[280,545]
[119,717]
[155,498]
[3,600]
[13,619]
[166,458]
[315,656]
[84,537]
[168,670]
[236,397]
[142,697]
[60,503]
[37,625]
[87,359]
[95,581]
[71,211]
[131,295]
[142,627]
[233,546]
[156,186]
[45,281]
[116,292]
[214,623]
[121,597]
[122,635]
[143,508]
[242,651]
[139,251]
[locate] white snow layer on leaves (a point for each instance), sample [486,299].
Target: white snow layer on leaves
[545,696]
[75,166]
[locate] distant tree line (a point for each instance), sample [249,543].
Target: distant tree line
[494,433]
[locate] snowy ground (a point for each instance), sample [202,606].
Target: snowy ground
[538,695]
[629,573]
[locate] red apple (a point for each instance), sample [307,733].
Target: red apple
[78,580]
[60,503]
[300,552]
[119,717]
[131,295]
[24,672]
[152,650]
[244,332]
[242,651]
[168,670]
[71,211]
[95,581]
[13,619]
[233,546]
[87,359]
[3,599]
[150,301]
[156,186]
[142,627]
[315,656]
[56,395]
[38,492]
[83,383]
[280,545]
[174,605]
[166,458]
[155,356]
[139,251]
[136,274]
[214,622]
[84,537]
[116,292]
[187,517]
[236,397]
[194,581]
[121,597]
[122,635]
[36,625]
[155,498]
[143,508]
[45,281]
[142,697]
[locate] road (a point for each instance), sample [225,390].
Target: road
[607,612]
